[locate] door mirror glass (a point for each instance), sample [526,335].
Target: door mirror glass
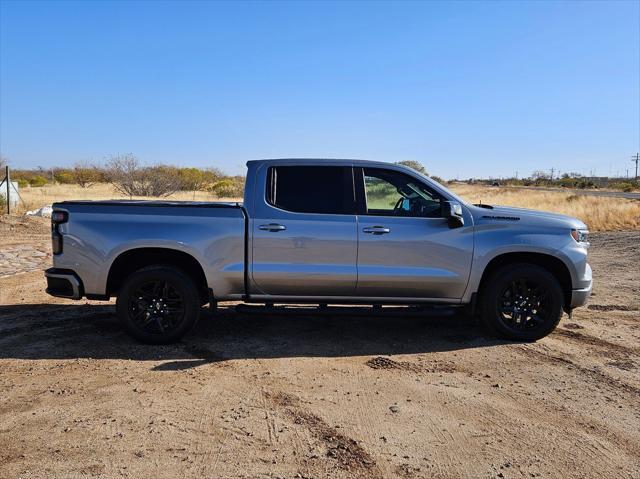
[452,211]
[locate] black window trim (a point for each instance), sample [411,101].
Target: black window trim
[361,196]
[270,189]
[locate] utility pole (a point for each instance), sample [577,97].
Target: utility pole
[636,159]
[552,170]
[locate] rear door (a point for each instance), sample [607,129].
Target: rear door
[406,248]
[304,239]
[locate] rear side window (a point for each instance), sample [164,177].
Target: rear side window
[311,189]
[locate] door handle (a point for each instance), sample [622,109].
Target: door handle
[272,227]
[377,230]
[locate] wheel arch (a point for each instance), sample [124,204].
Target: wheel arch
[554,265]
[134,259]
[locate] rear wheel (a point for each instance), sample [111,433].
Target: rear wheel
[522,302]
[158,304]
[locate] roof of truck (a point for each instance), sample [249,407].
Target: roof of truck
[315,161]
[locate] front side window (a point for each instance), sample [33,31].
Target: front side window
[311,189]
[392,193]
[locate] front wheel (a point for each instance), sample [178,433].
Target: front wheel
[158,304]
[522,302]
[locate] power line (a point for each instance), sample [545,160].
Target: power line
[636,159]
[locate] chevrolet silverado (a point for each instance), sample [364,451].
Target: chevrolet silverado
[321,232]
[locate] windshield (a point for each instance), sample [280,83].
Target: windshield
[447,190]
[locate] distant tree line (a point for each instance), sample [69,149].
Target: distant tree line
[566,180]
[130,177]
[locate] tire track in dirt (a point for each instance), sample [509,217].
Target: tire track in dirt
[591,438]
[444,405]
[611,307]
[443,409]
[208,452]
[597,376]
[544,442]
[582,338]
[343,452]
[434,366]
[204,448]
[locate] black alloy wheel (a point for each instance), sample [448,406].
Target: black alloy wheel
[158,304]
[522,302]
[156,307]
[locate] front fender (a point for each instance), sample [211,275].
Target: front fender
[494,240]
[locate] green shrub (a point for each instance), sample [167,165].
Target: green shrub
[625,186]
[227,188]
[64,177]
[22,183]
[567,182]
[38,181]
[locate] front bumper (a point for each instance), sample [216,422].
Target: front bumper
[63,283]
[580,295]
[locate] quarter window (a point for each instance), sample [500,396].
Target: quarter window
[312,189]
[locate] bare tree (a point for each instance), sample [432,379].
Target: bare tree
[3,161]
[121,171]
[129,177]
[160,180]
[540,175]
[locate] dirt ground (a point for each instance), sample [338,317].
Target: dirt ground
[253,396]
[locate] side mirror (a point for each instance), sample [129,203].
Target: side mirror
[453,213]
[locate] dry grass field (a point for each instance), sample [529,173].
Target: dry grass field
[599,213]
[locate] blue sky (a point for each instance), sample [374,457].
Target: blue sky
[467,88]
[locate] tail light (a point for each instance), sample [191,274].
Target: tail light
[57,218]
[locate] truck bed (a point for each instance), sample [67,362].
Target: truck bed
[97,234]
[152,203]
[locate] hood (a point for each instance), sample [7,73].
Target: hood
[508,214]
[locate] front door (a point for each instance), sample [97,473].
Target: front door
[406,248]
[304,232]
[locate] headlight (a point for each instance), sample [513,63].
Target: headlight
[581,236]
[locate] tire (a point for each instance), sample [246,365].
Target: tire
[158,304]
[522,302]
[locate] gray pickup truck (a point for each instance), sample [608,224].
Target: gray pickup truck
[321,232]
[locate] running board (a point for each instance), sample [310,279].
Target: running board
[325,310]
